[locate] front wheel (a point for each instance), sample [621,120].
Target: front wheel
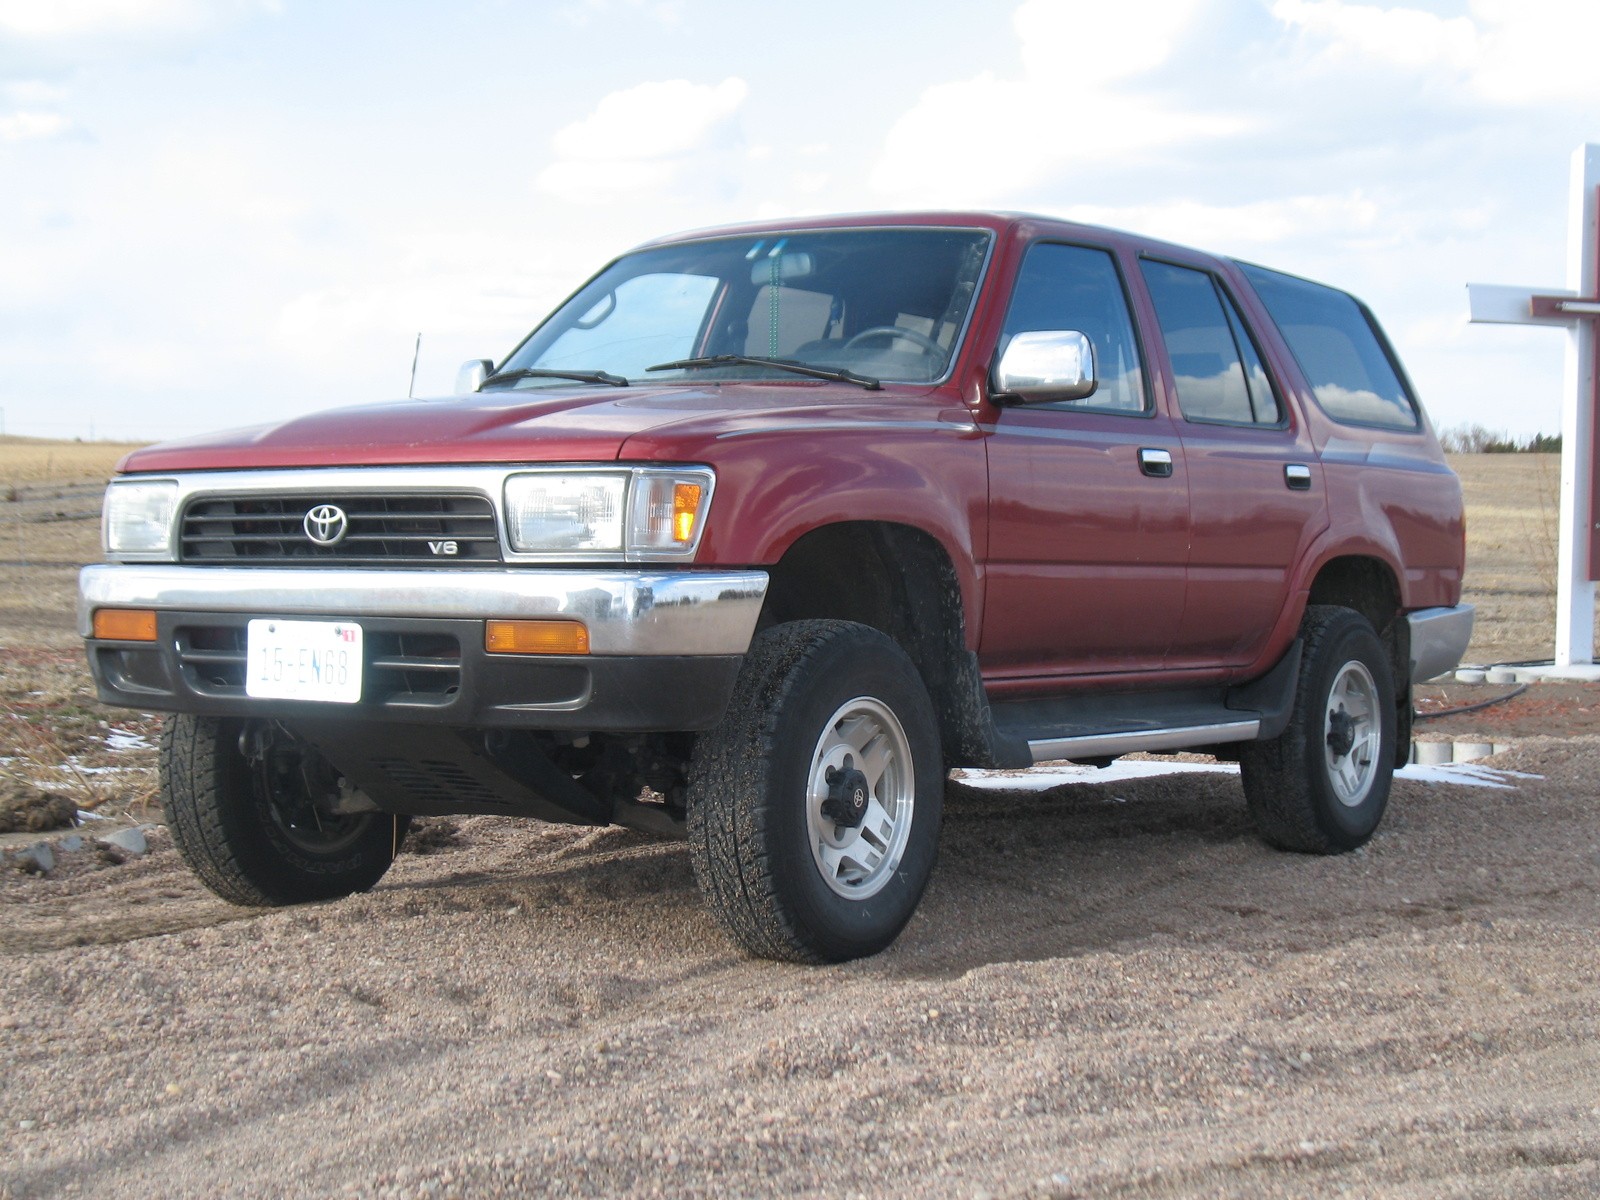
[250,810]
[814,806]
[1321,786]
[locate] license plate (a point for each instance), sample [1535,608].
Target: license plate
[304,660]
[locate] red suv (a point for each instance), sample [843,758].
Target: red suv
[765,528]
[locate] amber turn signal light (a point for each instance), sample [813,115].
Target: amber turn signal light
[125,624]
[535,637]
[685,508]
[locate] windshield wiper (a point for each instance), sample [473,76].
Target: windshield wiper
[838,375]
[545,373]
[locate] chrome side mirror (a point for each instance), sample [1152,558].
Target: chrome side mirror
[1047,364]
[472,374]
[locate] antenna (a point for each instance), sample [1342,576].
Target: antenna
[415,354]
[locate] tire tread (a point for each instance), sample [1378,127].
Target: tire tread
[1277,774]
[734,852]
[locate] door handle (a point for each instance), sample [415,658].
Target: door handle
[1155,463]
[1297,476]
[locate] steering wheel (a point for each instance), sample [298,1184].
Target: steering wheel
[895,331]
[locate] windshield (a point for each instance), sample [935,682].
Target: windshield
[879,303]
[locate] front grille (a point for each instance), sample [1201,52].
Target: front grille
[419,530]
[400,668]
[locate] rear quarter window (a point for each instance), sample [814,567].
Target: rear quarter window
[1339,351]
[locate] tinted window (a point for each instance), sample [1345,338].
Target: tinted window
[1075,287]
[1219,375]
[1336,346]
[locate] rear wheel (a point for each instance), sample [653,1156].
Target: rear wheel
[814,807]
[253,813]
[1321,786]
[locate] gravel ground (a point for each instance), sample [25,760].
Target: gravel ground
[1110,990]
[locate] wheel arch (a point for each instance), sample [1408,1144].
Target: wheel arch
[901,581]
[1370,586]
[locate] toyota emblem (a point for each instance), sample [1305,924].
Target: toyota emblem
[326,524]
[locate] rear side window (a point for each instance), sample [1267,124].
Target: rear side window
[1218,371]
[1338,349]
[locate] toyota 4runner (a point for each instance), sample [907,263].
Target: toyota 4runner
[767,527]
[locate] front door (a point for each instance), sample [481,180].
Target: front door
[1088,499]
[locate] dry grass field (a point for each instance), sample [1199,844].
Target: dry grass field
[1511,553]
[1112,988]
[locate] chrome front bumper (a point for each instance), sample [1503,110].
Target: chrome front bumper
[627,612]
[1439,638]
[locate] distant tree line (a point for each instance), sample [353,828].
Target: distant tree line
[1475,439]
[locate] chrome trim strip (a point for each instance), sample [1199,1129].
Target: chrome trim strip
[1096,745]
[487,481]
[627,612]
[1439,638]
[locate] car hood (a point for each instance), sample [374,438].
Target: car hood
[563,424]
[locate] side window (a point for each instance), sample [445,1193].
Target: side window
[1076,287]
[1220,376]
[1334,342]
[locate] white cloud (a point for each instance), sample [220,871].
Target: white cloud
[1077,45]
[1403,37]
[667,12]
[1509,52]
[650,121]
[641,138]
[34,92]
[1539,51]
[1229,228]
[26,126]
[47,19]
[1076,103]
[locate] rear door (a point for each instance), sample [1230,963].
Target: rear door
[1088,499]
[1256,495]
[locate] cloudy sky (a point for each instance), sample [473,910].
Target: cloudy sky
[213,212]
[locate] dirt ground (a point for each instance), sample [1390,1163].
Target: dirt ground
[1112,988]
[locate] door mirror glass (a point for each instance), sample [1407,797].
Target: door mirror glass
[1047,364]
[472,374]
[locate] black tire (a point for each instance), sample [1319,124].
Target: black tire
[785,879]
[249,848]
[1321,787]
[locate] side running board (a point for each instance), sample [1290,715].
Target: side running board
[1133,741]
[1104,725]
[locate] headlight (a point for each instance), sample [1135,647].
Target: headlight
[551,512]
[137,518]
[646,513]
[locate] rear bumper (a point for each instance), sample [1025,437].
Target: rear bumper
[665,646]
[1439,638]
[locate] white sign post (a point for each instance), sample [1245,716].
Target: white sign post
[1577,309]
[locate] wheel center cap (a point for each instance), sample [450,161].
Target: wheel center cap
[1341,732]
[847,798]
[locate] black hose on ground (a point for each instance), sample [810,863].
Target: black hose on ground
[1419,715]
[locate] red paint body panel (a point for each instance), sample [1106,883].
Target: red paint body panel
[1080,540]
[900,456]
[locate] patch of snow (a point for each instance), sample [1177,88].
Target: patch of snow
[1464,775]
[1042,779]
[126,739]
